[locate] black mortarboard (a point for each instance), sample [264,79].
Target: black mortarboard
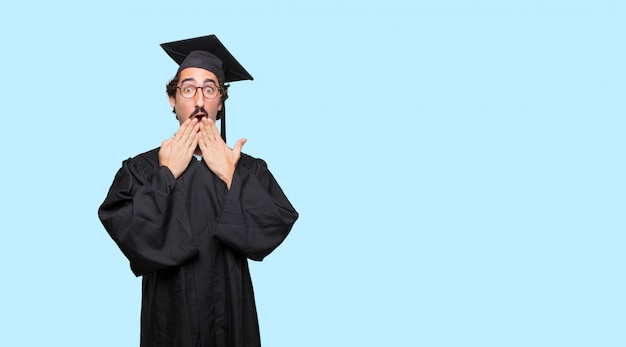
[207,52]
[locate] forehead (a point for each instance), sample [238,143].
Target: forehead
[198,75]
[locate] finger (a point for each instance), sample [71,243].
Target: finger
[188,132]
[181,130]
[194,141]
[190,126]
[211,130]
[192,131]
[203,139]
[202,143]
[216,132]
[239,145]
[205,128]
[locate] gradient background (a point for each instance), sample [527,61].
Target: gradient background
[458,165]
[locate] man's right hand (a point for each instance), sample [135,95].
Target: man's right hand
[176,152]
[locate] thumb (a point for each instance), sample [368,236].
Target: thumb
[239,145]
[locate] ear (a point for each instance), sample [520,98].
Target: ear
[172,101]
[219,108]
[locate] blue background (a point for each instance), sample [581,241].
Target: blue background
[458,165]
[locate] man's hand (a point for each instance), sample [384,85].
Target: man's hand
[176,152]
[216,154]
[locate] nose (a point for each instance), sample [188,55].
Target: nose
[199,99]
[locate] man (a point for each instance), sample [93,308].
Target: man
[187,215]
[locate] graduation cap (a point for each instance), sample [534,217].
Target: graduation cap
[207,52]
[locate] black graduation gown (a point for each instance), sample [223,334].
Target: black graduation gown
[190,239]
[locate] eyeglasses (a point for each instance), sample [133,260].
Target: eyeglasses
[210,91]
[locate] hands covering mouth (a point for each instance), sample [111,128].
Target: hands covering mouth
[203,138]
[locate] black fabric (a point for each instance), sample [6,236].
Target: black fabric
[204,60]
[181,52]
[190,239]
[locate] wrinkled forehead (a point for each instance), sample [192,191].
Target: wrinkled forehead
[197,76]
[206,61]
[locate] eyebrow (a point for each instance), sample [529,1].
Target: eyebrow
[191,79]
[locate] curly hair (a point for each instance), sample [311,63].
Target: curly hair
[170,89]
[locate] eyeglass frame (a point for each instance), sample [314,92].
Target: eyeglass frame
[220,90]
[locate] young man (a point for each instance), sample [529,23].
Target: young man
[187,215]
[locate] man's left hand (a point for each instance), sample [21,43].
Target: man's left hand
[216,154]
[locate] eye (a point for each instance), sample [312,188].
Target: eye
[187,89]
[209,89]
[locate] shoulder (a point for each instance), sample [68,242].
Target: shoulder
[143,162]
[249,162]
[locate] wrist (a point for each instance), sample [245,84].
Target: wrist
[227,177]
[175,174]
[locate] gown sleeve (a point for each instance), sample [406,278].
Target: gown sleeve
[145,216]
[257,216]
